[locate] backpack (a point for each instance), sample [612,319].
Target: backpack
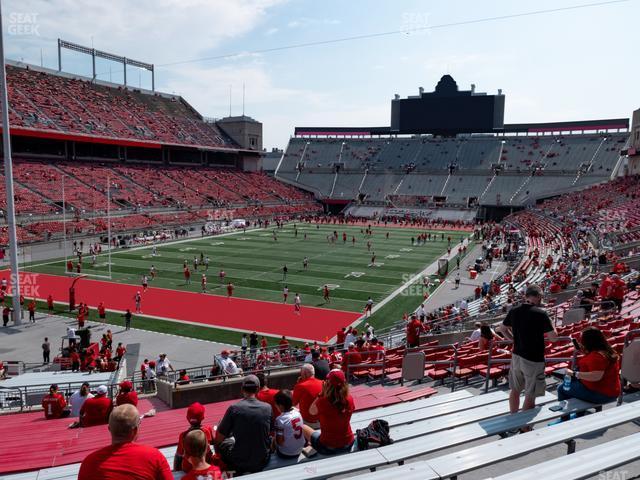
[375,435]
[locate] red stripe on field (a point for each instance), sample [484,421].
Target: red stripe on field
[266,317]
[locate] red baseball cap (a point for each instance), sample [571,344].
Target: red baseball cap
[336,377]
[195,413]
[126,385]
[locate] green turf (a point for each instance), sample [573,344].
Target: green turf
[253,262]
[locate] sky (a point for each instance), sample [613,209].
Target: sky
[573,64]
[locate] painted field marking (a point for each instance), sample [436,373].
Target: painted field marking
[376,264]
[330,286]
[354,274]
[187,249]
[215,244]
[392,255]
[405,249]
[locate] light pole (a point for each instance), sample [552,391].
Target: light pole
[8,178]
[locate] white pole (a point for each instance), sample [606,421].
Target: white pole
[8,177]
[109,220]
[64,226]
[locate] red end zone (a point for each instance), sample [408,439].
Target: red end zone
[267,318]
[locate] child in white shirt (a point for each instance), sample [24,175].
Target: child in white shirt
[289,440]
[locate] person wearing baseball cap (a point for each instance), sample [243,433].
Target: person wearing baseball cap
[195,417]
[249,422]
[229,367]
[96,410]
[127,394]
[333,407]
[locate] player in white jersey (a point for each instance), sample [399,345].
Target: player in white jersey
[297,303]
[285,294]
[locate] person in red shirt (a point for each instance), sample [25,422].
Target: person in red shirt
[414,327]
[617,291]
[96,410]
[187,276]
[266,395]
[334,407]
[195,417]
[69,266]
[340,336]
[81,316]
[351,357]
[32,311]
[124,459]
[54,404]
[229,290]
[305,392]
[263,342]
[196,449]
[121,351]
[50,303]
[102,311]
[597,379]
[283,344]
[127,394]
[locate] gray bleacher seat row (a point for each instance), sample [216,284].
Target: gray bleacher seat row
[430,440]
[584,464]
[457,463]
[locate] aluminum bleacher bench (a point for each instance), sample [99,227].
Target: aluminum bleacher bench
[584,464]
[431,411]
[431,439]
[460,462]
[368,415]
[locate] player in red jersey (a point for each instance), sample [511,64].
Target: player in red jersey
[102,311]
[187,276]
[54,404]
[230,288]
[203,283]
[50,303]
[325,294]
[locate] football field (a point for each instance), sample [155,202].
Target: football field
[253,262]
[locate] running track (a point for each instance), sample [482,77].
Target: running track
[267,318]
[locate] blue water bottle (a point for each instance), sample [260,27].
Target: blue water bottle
[566,383]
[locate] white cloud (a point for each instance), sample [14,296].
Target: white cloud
[272,31]
[157,31]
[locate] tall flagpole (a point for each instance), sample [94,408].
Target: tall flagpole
[8,178]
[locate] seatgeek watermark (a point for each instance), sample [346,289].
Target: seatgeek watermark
[415,23]
[23,23]
[28,283]
[616,474]
[417,287]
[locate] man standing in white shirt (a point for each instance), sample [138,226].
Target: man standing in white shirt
[163,365]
